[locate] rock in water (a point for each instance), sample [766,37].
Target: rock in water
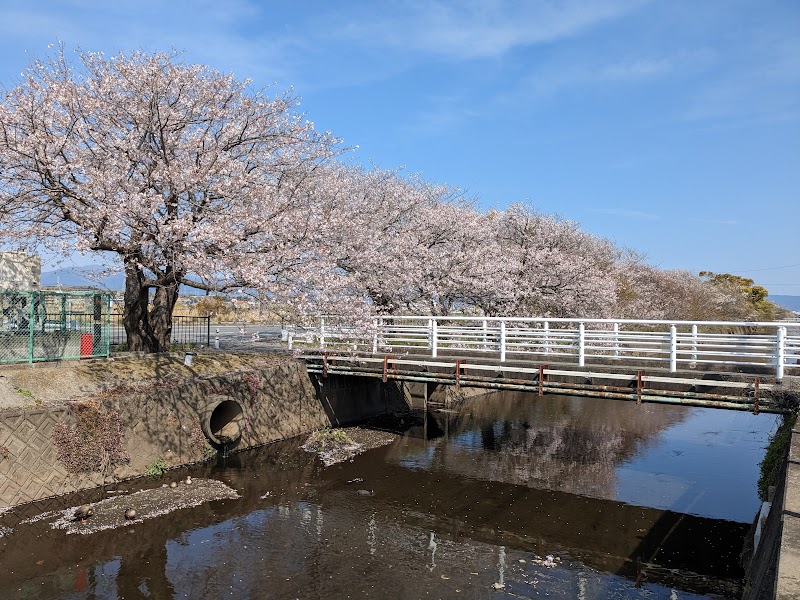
[130,514]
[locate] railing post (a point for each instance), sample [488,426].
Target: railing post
[581,344]
[434,339]
[322,333]
[546,327]
[502,341]
[430,334]
[485,334]
[694,344]
[616,340]
[375,336]
[673,348]
[780,358]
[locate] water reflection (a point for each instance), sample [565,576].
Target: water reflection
[691,460]
[460,515]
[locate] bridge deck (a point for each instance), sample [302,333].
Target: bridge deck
[732,390]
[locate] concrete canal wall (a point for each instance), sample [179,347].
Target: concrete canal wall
[788,583]
[61,424]
[773,568]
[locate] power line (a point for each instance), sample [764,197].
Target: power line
[768,269]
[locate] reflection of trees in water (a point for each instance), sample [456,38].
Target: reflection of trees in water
[570,444]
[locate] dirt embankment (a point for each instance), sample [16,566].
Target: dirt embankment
[30,385]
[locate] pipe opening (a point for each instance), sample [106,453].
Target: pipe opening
[224,422]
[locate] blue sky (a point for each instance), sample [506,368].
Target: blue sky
[671,127]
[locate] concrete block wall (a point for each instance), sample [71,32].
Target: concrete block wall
[161,421]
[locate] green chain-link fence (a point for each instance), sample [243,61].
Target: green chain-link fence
[38,326]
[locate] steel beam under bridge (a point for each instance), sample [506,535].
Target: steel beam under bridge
[734,391]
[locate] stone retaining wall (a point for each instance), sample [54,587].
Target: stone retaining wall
[161,420]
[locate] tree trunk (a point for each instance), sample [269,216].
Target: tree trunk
[161,314]
[135,317]
[149,329]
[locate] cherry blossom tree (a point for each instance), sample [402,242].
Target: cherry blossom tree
[186,175]
[409,246]
[646,292]
[549,267]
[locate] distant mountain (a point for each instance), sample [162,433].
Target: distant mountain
[790,302]
[85,276]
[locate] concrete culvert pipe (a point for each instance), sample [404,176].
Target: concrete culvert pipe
[223,420]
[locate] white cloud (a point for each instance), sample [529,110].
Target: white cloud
[479,28]
[628,214]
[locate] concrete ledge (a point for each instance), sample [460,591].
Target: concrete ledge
[788,581]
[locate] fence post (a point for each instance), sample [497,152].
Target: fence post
[434,338]
[673,348]
[375,336]
[694,344]
[108,326]
[485,336]
[780,357]
[208,331]
[430,334]
[30,326]
[502,341]
[616,340]
[322,333]
[581,344]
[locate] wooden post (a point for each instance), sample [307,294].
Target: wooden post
[756,385]
[541,379]
[639,386]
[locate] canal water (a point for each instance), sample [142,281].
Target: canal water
[511,496]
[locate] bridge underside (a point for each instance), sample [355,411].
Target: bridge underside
[731,390]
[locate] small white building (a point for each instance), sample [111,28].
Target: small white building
[20,272]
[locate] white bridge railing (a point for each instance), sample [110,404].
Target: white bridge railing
[664,343]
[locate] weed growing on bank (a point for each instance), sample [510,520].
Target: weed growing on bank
[773,459]
[157,468]
[95,443]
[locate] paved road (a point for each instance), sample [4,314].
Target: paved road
[247,337]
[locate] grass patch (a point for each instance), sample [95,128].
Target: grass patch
[24,392]
[327,439]
[773,459]
[156,469]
